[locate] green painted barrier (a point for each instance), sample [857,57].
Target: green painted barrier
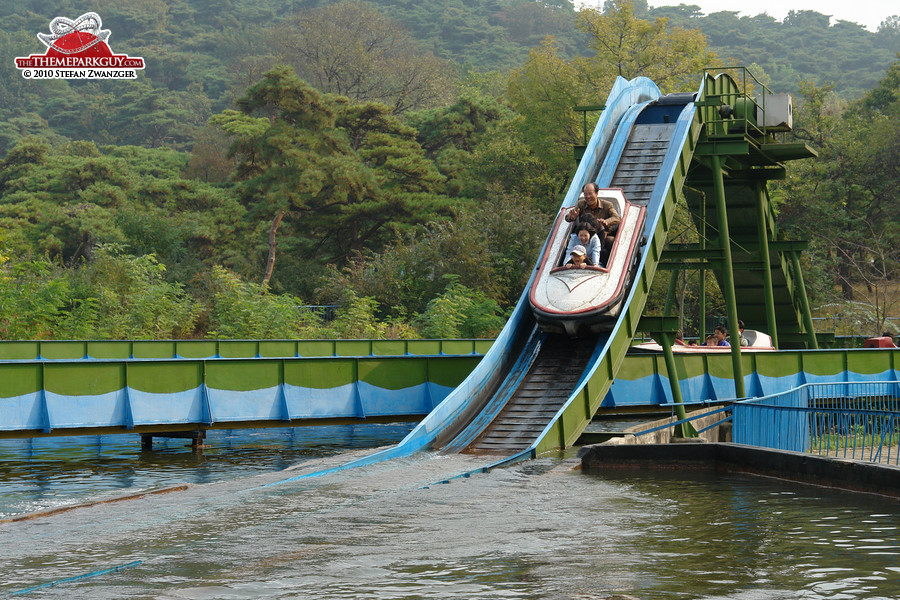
[63,350]
[165,349]
[19,350]
[59,396]
[108,349]
[103,393]
[197,348]
[153,349]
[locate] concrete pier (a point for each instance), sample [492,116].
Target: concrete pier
[825,471]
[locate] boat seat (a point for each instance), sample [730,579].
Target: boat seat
[617,202]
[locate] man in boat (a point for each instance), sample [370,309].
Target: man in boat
[744,340]
[603,210]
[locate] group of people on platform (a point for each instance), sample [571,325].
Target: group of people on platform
[596,220]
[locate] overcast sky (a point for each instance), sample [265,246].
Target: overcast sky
[868,13]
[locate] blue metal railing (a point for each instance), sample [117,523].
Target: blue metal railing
[858,420]
[326,312]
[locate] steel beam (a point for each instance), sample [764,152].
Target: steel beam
[761,225]
[728,275]
[804,302]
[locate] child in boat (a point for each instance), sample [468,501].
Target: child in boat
[586,235]
[578,258]
[721,333]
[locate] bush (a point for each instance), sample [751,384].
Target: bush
[116,296]
[461,313]
[357,320]
[33,297]
[491,248]
[127,297]
[239,309]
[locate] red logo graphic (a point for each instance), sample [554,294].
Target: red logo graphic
[78,50]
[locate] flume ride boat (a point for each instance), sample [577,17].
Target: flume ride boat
[576,300]
[757,342]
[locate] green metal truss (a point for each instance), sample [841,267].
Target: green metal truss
[747,157]
[767,280]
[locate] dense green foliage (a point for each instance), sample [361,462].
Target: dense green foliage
[806,46]
[401,159]
[114,296]
[845,202]
[201,56]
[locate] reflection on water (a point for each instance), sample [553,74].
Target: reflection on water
[752,537]
[42,473]
[538,529]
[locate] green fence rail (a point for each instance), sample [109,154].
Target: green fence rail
[165,349]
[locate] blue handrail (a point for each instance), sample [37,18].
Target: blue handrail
[856,420]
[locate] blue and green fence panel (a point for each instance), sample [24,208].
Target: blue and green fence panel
[60,394]
[643,380]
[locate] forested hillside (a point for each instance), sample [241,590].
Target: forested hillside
[400,159]
[806,46]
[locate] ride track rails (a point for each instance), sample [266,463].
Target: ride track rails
[644,143]
[649,136]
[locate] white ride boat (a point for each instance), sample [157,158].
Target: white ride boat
[575,300]
[757,342]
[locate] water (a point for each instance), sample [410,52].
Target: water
[537,529]
[44,473]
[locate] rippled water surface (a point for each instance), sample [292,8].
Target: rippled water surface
[46,473]
[537,529]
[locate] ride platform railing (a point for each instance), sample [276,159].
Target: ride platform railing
[851,420]
[198,349]
[146,386]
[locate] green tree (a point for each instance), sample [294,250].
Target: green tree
[549,86]
[407,183]
[291,161]
[450,134]
[351,49]
[545,91]
[845,202]
[60,201]
[328,177]
[209,157]
[628,46]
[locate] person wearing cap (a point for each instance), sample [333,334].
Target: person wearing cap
[578,258]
